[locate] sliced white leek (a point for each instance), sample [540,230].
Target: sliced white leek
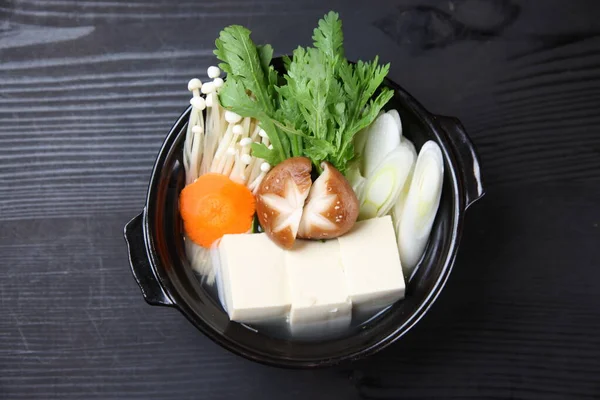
[410,145]
[420,205]
[396,115]
[382,188]
[360,139]
[356,180]
[382,137]
[399,206]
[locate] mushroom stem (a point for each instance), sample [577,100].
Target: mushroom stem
[246,122]
[254,169]
[254,135]
[214,132]
[237,175]
[265,141]
[256,183]
[193,171]
[245,144]
[228,161]
[222,148]
[264,168]
[192,150]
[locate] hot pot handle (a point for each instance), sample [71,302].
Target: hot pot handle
[467,158]
[141,267]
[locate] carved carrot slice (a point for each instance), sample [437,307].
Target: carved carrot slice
[213,206]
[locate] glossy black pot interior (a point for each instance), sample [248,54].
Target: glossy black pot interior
[160,266]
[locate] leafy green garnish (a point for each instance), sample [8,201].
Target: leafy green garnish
[320,104]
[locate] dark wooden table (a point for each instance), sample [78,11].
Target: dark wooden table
[89,89]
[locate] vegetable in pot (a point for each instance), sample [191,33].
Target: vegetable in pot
[215,205]
[280,199]
[317,108]
[290,205]
[382,138]
[331,208]
[420,205]
[383,187]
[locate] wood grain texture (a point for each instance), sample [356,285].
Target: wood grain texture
[89,89]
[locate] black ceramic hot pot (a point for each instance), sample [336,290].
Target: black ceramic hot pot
[160,267]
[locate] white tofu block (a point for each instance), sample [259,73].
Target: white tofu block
[251,278]
[319,298]
[371,263]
